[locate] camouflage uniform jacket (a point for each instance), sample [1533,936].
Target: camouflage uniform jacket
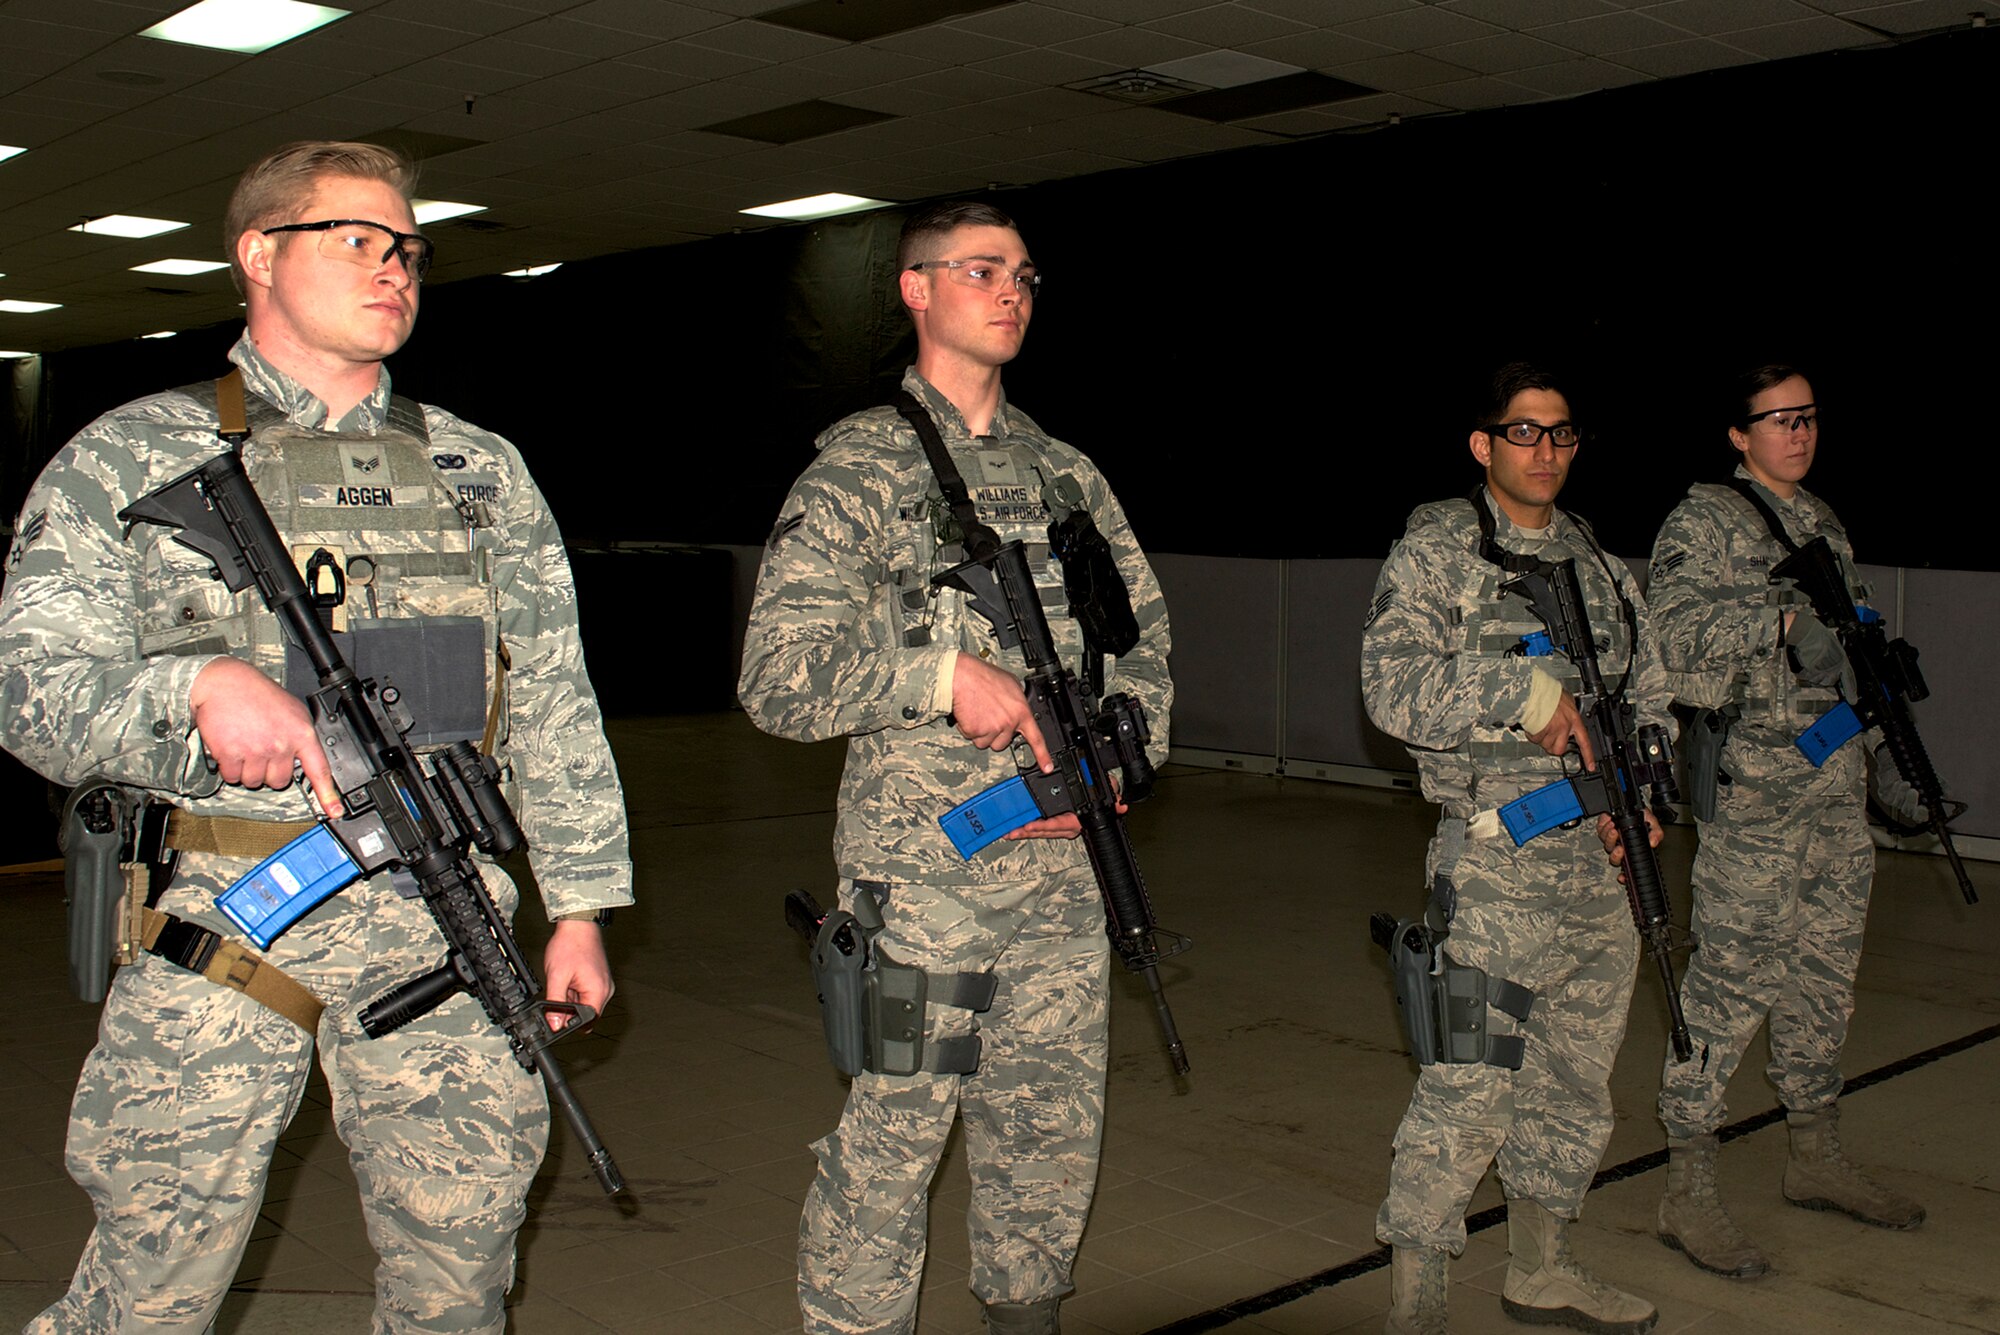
[848,638]
[1719,615]
[90,685]
[1441,661]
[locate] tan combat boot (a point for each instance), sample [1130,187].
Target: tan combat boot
[1416,1285]
[1546,1287]
[1692,1219]
[1035,1318]
[1819,1177]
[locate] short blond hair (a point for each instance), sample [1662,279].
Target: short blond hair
[280,183]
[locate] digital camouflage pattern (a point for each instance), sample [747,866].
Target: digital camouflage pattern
[1033,1112]
[190,1084]
[87,691]
[1782,874]
[1441,671]
[100,640]
[846,638]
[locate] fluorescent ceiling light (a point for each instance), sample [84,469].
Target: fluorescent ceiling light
[532,271]
[12,307]
[817,206]
[245,26]
[9,355]
[437,210]
[164,333]
[8,151]
[125,224]
[182,268]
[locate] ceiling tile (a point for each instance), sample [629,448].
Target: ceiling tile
[1030,24]
[1128,11]
[1330,13]
[1910,17]
[1316,50]
[477,18]
[583,39]
[1419,29]
[1689,57]
[658,19]
[519,57]
[1478,94]
[1518,14]
[1608,33]
[1569,77]
[1501,52]
[1712,18]
[1399,73]
[762,41]
[693,62]
[1782,40]
[1048,67]
[1230,27]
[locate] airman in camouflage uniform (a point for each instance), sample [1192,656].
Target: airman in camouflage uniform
[120,657]
[1443,668]
[1782,873]
[848,638]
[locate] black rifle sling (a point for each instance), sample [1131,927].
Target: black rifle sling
[1516,564]
[980,541]
[1748,491]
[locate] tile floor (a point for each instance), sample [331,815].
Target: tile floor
[1241,1202]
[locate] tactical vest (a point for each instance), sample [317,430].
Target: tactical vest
[400,565]
[1006,481]
[1498,764]
[1766,689]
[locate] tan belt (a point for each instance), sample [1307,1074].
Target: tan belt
[231,836]
[220,959]
[230,964]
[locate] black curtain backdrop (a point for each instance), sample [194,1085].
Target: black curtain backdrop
[1274,352]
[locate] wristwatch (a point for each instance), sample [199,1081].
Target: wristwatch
[602,917]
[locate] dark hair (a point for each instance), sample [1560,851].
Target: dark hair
[927,227]
[1508,381]
[1751,383]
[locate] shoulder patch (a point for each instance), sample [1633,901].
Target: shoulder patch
[31,528]
[1668,562]
[1379,606]
[784,526]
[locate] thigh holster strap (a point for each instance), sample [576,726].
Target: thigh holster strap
[1444,1003]
[231,964]
[873,1007]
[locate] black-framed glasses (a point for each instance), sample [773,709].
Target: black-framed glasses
[1784,421]
[359,241]
[988,275]
[1563,435]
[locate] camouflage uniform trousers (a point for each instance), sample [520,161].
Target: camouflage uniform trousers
[1552,917]
[1781,882]
[182,1101]
[1033,1111]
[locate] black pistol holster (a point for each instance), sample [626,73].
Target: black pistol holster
[873,1007]
[1444,1003]
[1706,732]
